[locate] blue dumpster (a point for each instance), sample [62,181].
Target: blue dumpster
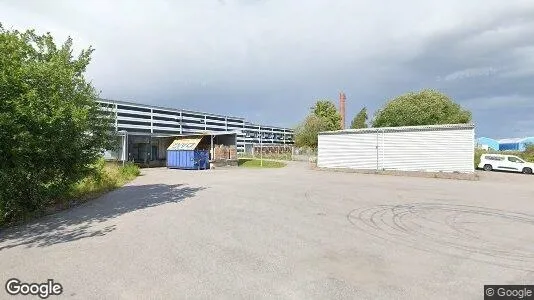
[188,159]
[182,154]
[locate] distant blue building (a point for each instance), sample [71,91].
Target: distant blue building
[487,143]
[519,144]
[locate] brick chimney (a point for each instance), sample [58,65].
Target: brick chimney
[342,99]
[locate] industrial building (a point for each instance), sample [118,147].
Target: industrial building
[436,148]
[146,130]
[519,144]
[514,144]
[487,144]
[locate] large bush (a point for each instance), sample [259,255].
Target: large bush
[323,117]
[52,130]
[426,107]
[326,110]
[307,133]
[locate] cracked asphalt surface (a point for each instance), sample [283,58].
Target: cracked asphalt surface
[290,233]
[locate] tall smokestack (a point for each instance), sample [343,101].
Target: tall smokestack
[342,99]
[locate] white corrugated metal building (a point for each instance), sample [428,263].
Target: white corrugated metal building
[433,148]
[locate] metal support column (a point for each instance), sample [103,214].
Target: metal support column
[212,152]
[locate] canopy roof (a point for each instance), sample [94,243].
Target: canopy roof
[512,141]
[185,144]
[212,133]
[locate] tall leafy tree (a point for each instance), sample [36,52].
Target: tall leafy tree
[52,129]
[306,134]
[360,120]
[426,107]
[327,110]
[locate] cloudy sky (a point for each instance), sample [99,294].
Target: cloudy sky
[269,60]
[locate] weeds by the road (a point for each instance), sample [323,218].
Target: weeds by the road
[107,176]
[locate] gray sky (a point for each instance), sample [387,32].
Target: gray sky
[270,60]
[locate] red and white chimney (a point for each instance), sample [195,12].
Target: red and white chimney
[342,99]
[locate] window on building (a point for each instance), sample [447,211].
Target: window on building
[133,108]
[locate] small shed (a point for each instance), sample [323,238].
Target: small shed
[187,153]
[433,148]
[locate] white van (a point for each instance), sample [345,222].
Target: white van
[501,162]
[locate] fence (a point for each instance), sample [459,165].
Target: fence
[305,154]
[279,152]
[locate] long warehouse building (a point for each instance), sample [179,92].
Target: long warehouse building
[149,126]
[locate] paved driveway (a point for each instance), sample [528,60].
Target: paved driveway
[289,233]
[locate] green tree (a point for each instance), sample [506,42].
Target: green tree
[52,130]
[360,120]
[306,134]
[426,107]
[327,110]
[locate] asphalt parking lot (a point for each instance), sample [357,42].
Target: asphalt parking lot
[290,233]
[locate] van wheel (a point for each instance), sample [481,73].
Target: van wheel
[527,171]
[488,168]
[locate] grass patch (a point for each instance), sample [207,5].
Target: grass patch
[256,163]
[108,176]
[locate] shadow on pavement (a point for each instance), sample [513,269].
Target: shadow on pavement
[84,221]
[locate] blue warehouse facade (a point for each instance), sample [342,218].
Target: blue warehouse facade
[517,144]
[145,131]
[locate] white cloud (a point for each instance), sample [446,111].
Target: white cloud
[469,73]
[207,40]
[499,102]
[242,54]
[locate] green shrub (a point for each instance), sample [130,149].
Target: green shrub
[129,171]
[528,154]
[107,176]
[104,177]
[425,107]
[52,129]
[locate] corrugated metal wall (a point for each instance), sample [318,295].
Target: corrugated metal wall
[356,151]
[427,148]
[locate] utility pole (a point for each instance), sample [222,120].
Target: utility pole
[261,148]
